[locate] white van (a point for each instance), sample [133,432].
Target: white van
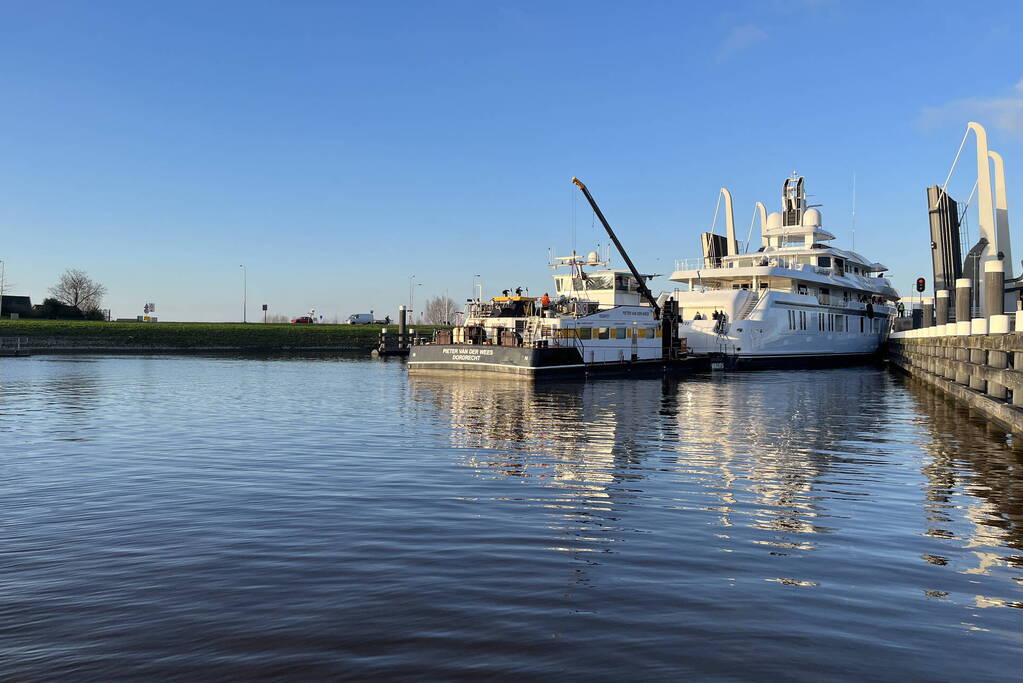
[360,319]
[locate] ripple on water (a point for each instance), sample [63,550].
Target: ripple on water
[260,517]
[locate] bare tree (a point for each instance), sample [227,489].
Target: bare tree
[76,288]
[440,310]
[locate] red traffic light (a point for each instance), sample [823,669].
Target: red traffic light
[921,284]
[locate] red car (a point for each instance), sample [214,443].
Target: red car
[303,319]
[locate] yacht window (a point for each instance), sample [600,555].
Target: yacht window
[824,261]
[820,321]
[763,285]
[802,320]
[801,289]
[792,320]
[861,324]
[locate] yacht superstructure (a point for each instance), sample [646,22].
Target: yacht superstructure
[797,297]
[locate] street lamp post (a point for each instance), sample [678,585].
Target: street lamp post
[411,296]
[245,293]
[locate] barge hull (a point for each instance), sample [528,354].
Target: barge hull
[515,361]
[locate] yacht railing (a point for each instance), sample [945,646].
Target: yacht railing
[751,261]
[791,263]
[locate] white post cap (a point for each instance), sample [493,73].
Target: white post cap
[963,328]
[928,300]
[962,282]
[942,293]
[978,326]
[994,266]
[999,324]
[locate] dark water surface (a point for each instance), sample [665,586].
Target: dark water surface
[323,518]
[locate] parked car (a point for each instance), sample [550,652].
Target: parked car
[360,319]
[302,319]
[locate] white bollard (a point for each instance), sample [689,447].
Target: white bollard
[963,328]
[978,326]
[999,324]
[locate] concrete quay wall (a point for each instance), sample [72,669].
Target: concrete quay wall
[982,371]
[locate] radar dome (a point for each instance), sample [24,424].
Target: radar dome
[812,218]
[593,258]
[773,220]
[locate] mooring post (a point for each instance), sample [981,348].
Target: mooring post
[994,288]
[928,306]
[963,300]
[402,315]
[941,307]
[998,359]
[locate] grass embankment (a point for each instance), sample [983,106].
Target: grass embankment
[255,336]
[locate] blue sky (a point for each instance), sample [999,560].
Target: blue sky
[338,148]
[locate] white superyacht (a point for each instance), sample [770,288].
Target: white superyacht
[796,298]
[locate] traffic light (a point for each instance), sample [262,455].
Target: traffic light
[921,284]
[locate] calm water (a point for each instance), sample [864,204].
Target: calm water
[325,518]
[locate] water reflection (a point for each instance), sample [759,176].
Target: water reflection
[757,450]
[974,493]
[226,518]
[586,441]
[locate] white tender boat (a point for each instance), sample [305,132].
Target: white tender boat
[796,298]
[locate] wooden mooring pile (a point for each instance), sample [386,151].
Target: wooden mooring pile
[401,340]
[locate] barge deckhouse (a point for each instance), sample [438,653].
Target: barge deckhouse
[797,297]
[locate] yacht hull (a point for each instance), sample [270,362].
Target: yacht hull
[793,361]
